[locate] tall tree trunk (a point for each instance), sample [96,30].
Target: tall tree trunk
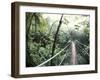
[55,38]
[35,23]
[74,53]
[28,23]
[28,30]
[28,64]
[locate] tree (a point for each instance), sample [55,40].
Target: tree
[55,38]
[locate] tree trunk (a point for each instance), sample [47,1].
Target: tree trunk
[74,53]
[28,64]
[35,23]
[55,38]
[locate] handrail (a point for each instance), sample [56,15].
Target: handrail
[53,56]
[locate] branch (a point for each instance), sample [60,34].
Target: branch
[51,27]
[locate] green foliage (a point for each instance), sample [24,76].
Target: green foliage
[40,32]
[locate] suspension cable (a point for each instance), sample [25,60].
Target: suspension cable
[85,50]
[82,44]
[62,59]
[53,56]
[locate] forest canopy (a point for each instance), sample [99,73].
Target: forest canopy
[57,39]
